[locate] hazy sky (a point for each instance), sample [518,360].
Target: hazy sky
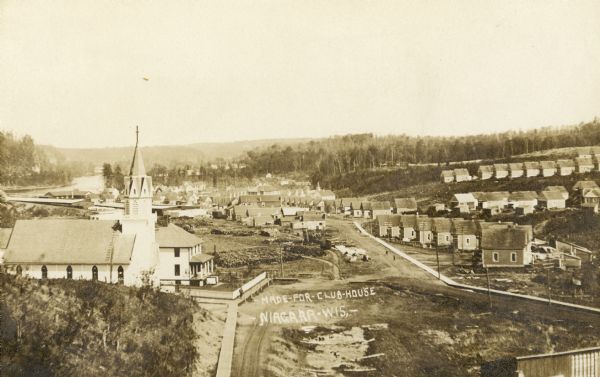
[71,72]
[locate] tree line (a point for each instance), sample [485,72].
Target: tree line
[351,153]
[22,163]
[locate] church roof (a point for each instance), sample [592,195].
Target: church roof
[68,242]
[174,236]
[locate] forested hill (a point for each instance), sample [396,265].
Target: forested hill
[22,163]
[342,154]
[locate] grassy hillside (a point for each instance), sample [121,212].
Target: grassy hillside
[82,328]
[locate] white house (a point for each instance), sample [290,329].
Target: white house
[548,168]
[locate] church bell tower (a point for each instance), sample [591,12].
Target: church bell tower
[138,219]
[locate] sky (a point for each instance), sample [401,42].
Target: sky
[84,73]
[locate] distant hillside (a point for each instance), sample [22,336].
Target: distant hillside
[167,154]
[81,328]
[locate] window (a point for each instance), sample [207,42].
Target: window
[69,272]
[177,270]
[447,238]
[495,257]
[19,270]
[176,252]
[513,257]
[121,275]
[95,273]
[44,272]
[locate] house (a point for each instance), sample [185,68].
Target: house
[380,208]
[494,199]
[485,172]
[516,170]
[591,196]
[261,220]
[575,363]
[464,234]
[464,202]
[447,176]
[566,247]
[388,226]
[500,171]
[523,199]
[461,175]
[442,231]
[532,169]
[405,205]
[551,200]
[181,257]
[327,195]
[310,221]
[584,186]
[356,208]
[248,199]
[584,164]
[408,227]
[345,205]
[508,246]
[548,168]
[424,231]
[560,189]
[366,209]
[565,167]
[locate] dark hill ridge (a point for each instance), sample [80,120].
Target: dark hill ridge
[83,328]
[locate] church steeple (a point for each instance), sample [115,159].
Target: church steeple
[138,186]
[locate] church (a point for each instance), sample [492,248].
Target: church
[133,250]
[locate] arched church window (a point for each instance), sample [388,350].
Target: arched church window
[44,272]
[94,273]
[19,270]
[121,274]
[69,272]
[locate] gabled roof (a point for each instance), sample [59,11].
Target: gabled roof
[592,193]
[588,184]
[496,196]
[423,223]
[501,167]
[174,236]
[551,195]
[523,195]
[388,220]
[461,226]
[409,203]
[464,198]
[585,161]
[380,205]
[348,201]
[516,166]
[548,164]
[408,221]
[365,206]
[486,168]
[461,171]
[447,173]
[441,225]
[556,188]
[565,163]
[531,165]
[501,238]
[68,242]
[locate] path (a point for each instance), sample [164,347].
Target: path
[334,269]
[226,354]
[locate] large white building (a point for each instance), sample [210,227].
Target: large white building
[126,251]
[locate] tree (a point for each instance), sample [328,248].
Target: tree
[107,173]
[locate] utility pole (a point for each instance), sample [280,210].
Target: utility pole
[437,257]
[281,260]
[548,285]
[487,274]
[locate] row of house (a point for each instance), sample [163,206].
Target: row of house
[356,207]
[527,169]
[501,244]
